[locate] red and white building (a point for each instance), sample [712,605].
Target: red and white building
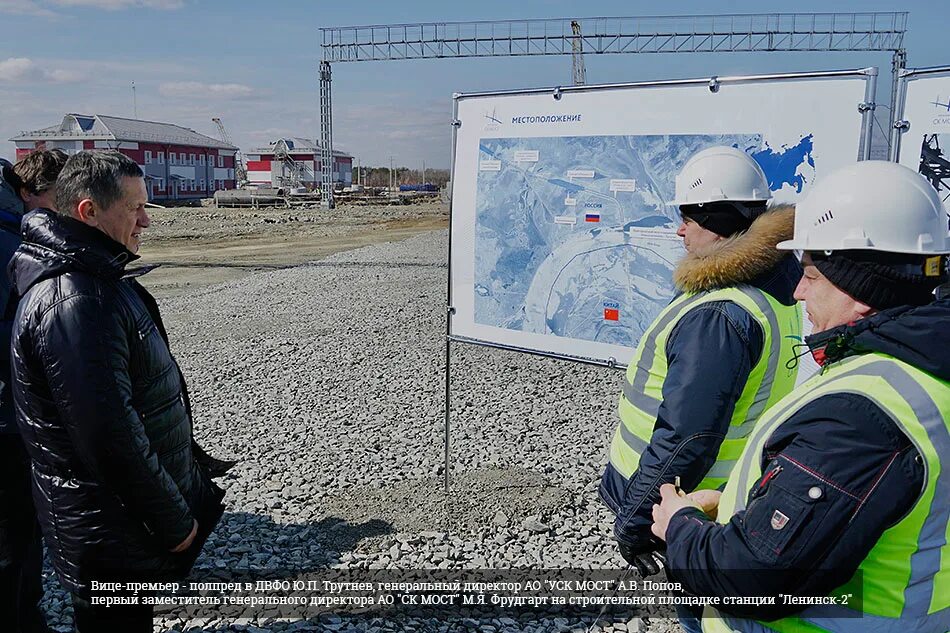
[179,163]
[294,162]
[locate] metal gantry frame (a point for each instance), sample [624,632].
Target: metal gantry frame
[764,32]
[755,32]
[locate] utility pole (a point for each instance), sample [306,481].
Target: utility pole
[135,105]
[423,172]
[392,178]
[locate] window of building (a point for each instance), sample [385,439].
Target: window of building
[148,157]
[201,184]
[220,160]
[191,159]
[160,183]
[210,160]
[201,159]
[161,158]
[172,158]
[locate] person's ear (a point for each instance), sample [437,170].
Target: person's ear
[86,211]
[25,195]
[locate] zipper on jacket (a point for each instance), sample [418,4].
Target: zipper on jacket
[162,406]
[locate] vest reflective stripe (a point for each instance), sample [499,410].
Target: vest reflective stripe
[904,582]
[768,380]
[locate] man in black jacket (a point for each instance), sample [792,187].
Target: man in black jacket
[842,489]
[28,185]
[100,401]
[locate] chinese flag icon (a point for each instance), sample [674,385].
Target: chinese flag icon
[611,314]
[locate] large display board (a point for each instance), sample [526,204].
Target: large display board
[924,137]
[562,233]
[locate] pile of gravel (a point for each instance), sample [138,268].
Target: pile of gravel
[327,382]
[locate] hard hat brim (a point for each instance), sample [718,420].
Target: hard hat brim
[790,245]
[795,245]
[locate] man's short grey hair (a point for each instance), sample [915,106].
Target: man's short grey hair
[94,175]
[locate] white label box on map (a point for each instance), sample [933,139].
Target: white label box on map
[617,184]
[571,202]
[580,173]
[526,156]
[489,165]
[565,219]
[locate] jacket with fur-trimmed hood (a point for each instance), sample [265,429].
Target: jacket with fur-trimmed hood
[711,350]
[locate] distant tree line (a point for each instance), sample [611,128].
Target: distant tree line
[379,176]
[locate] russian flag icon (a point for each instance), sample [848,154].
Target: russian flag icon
[592,217]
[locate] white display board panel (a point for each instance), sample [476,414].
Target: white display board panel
[562,233]
[925,143]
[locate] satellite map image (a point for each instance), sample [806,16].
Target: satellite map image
[575,236]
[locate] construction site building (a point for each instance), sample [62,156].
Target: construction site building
[179,163]
[294,162]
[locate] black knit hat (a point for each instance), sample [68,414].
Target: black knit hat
[725,218]
[883,280]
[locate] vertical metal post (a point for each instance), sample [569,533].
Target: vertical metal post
[326,138]
[450,309]
[898,95]
[867,113]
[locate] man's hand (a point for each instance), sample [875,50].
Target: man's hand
[670,504]
[708,500]
[646,563]
[181,547]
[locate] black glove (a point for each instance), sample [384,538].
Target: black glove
[647,562]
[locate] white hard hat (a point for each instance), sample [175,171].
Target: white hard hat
[721,173]
[873,205]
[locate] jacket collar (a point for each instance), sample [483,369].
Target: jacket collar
[740,259]
[919,336]
[57,243]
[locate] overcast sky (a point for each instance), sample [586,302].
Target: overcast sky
[254,64]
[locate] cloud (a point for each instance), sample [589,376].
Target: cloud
[25,7]
[16,68]
[36,8]
[193,89]
[118,5]
[24,69]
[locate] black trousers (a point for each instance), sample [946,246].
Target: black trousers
[21,543]
[115,619]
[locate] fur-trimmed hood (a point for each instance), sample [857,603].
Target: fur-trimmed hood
[742,258]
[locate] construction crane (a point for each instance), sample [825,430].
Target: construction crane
[577,55]
[240,173]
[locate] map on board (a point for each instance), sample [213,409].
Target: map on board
[575,236]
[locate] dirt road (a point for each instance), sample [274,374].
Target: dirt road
[201,246]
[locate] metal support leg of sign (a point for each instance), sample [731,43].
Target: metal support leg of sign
[450,311]
[866,108]
[898,64]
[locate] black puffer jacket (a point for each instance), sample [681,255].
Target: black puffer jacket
[101,406]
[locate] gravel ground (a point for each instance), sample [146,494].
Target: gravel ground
[327,381]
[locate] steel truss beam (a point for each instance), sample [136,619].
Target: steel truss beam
[881,31]
[877,31]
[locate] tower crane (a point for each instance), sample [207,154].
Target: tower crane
[240,173]
[577,54]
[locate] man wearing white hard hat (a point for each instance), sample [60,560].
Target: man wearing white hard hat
[716,357]
[838,507]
